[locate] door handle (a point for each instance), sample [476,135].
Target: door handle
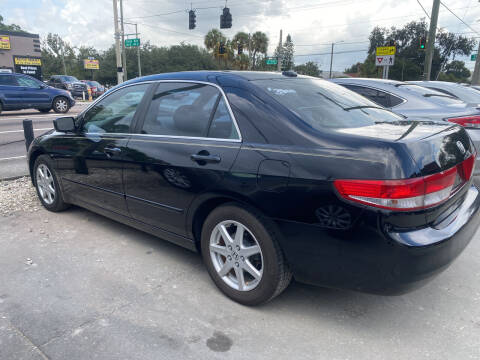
[203,157]
[110,151]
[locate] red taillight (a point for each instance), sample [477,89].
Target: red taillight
[408,194]
[467,121]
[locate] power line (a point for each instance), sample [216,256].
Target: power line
[338,52]
[169,30]
[446,7]
[425,11]
[343,43]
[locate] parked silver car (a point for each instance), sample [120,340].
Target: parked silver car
[467,94]
[417,102]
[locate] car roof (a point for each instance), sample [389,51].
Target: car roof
[367,81]
[205,74]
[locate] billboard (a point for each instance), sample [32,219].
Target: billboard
[28,65]
[91,64]
[4,42]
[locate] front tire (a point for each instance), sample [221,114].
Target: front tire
[242,255]
[61,105]
[46,184]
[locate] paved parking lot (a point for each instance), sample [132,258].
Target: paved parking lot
[76,285]
[12,143]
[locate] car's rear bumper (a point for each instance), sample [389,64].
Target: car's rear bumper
[372,260]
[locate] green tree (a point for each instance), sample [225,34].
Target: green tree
[258,46]
[309,68]
[287,54]
[11,27]
[54,51]
[409,58]
[213,39]
[455,71]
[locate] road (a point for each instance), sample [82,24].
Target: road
[75,285]
[12,145]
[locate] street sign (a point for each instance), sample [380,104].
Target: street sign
[386,60]
[386,50]
[473,57]
[90,64]
[132,42]
[271,61]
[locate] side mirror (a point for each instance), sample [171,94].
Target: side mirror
[43,86]
[64,124]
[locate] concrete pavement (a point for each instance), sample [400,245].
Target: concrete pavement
[76,285]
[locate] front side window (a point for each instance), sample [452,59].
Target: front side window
[28,82]
[114,114]
[189,109]
[69,78]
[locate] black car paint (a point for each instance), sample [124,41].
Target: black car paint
[285,170]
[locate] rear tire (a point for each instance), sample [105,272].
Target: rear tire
[1,108]
[61,105]
[249,268]
[46,184]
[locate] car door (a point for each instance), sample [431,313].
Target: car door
[10,91]
[91,161]
[34,93]
[187,141]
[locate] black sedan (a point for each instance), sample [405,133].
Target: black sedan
[269,176]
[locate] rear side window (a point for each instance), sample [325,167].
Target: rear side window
[114,114]
[189,109]
[323,105]
[7,80]
[380,97]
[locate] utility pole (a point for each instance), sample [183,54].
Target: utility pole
[138,53]
[331,58]
[331,61]
[280,53]
[476,71]
[117,43]
[431,40]
[124,54]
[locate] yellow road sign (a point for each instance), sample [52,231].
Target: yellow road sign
[386,50]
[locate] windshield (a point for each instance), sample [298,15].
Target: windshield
[433,95]
[323,105]
[69,78]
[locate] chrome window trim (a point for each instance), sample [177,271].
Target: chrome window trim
[240,138]
[377,89]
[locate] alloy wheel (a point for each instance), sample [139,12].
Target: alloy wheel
[45,184]
[61,105]
[236,255]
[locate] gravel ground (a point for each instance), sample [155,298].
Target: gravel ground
[18,195]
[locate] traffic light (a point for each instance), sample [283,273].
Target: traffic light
[192,19]
[226,19]
[423,42]
[221,49]
[240,49]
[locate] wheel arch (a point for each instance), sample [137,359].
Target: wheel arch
[31,162]
[204,205]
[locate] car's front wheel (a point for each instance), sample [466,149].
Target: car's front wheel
[61,105]
[242,255]
[46,183]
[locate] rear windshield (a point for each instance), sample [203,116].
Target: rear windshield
[464,93]
[433,95]
[325,105]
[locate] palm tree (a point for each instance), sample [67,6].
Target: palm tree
[258,44]
[212,39]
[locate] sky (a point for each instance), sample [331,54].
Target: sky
[313,24]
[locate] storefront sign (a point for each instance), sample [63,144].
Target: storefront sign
[91,64]
[4,42]
[28,65]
